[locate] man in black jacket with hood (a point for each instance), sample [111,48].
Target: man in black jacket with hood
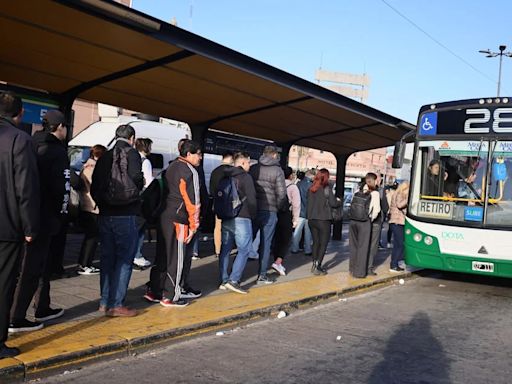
[34,281]
[116,184]
[238,230]
[19,204]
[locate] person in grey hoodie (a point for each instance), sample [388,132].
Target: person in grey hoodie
[271,197]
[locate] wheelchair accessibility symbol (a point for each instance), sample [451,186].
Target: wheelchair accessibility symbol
[428,124]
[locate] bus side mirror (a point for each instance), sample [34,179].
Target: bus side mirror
[398,154]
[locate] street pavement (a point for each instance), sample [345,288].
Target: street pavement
[437,328]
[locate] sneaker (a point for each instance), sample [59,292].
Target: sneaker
[121,312]
[190,293]
[263,280]
[319,271]
[49,314]
[141,262]
[169,303]
[6,351]
[88,270]
[279,268]
[235,287]
[151,297]
[102,308]
[222,286]
[195,256]
[24,326]
[396,269]
[401,264]
[389,246]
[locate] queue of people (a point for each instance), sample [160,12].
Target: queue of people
[264,204]
[368,210]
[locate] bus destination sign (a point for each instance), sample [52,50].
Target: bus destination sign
[481,120]
[435,209]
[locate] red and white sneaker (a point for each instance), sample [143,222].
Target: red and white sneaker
[169,303]
[151,297]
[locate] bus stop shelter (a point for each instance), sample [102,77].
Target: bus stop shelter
[102,51]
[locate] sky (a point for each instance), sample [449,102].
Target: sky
[407,68]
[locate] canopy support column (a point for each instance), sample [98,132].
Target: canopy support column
[285,153]
[341,163]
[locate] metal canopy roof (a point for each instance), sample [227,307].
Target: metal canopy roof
[102,51]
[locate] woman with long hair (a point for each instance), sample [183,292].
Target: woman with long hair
[398,210]
[321,200]
[89,215]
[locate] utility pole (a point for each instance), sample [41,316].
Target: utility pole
[501,53]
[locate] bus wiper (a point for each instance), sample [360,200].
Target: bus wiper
[470,185]
[491,155]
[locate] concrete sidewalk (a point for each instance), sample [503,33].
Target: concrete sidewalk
[83,334]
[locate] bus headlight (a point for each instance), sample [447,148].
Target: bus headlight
[428,240]
[417,237]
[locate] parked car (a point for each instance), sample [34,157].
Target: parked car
[347,200]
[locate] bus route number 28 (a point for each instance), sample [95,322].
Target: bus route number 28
[501,120]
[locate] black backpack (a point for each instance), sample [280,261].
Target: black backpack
[226,202]
[121,190]
[360,206]
[154,199]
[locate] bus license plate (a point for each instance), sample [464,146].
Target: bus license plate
[482,267]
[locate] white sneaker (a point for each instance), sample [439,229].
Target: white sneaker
[141,262]
[88,270]
[401,264]
[389,246]
[195,257]
[279,268]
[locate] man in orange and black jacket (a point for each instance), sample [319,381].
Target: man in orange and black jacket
[179,222]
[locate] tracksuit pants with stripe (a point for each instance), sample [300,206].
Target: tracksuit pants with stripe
[174,235]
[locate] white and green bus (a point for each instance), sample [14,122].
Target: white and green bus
[459,214]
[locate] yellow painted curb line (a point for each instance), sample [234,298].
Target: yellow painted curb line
[81,340]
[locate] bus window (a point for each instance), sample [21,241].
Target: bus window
[499,210]
[450,176]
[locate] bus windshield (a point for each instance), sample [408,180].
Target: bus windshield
[450,182]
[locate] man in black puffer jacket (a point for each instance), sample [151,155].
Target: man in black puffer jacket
[271,196]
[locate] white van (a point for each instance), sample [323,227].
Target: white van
[165,135]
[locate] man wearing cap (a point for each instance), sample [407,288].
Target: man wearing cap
[19,204]
[34,281]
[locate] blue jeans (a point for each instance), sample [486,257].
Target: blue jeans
[397,253]
[297,235]
[266,223]
[119,239]
[140,243]
[235,231]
